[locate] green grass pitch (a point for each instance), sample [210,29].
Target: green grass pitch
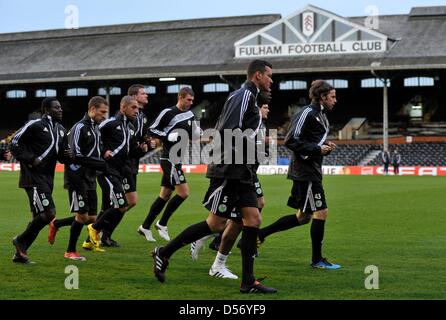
[395,223]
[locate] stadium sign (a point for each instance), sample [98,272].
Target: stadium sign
[310,31]
[280,169]
[359,170]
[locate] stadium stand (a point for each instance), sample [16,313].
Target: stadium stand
[349,154]
[418,154]
[414,154]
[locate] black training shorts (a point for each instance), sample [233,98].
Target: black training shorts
[308,196]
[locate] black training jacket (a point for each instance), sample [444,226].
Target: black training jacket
[169,120]
[43,139]
[118,136]
[307,133]
[84,141]
[240,112]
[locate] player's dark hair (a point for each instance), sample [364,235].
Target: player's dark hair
[257,65]
[96,102]
[184,91]
[46,103]
[134,88]
[319,88]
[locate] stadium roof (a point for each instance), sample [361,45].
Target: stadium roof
[202,47]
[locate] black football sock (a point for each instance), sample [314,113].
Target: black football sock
[172,205]
[31,237]
[284,223]
[100,214]
[116,219]
[63,222]
[75,231]
[317,235]
[189,235]
[32,230]
[155,209]
[105,220]
[248,249]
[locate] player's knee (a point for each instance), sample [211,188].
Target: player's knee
[258,221]
[184,195]
[182,190]
[165,195]
[215,223]
[82,218]
[254,221]
[132,199]
[133,203]
[321,214]
[216,227]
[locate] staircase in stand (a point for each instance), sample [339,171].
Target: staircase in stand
[369,157]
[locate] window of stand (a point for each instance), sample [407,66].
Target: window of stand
[16,94]
[43,93]
[114,91]
[216,87]
[175,88]
[373,83]
[419,82]
[338,83]
[293,85]
[77,92]
[150,89]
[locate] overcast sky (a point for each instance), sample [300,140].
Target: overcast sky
[26,15]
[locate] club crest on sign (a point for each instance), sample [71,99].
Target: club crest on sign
[308,23]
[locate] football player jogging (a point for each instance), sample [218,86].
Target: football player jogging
[306,138]
[80,177]
[38,146]
[225,241]
[116,136]
[165,127]
[231,182]
[136,91]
